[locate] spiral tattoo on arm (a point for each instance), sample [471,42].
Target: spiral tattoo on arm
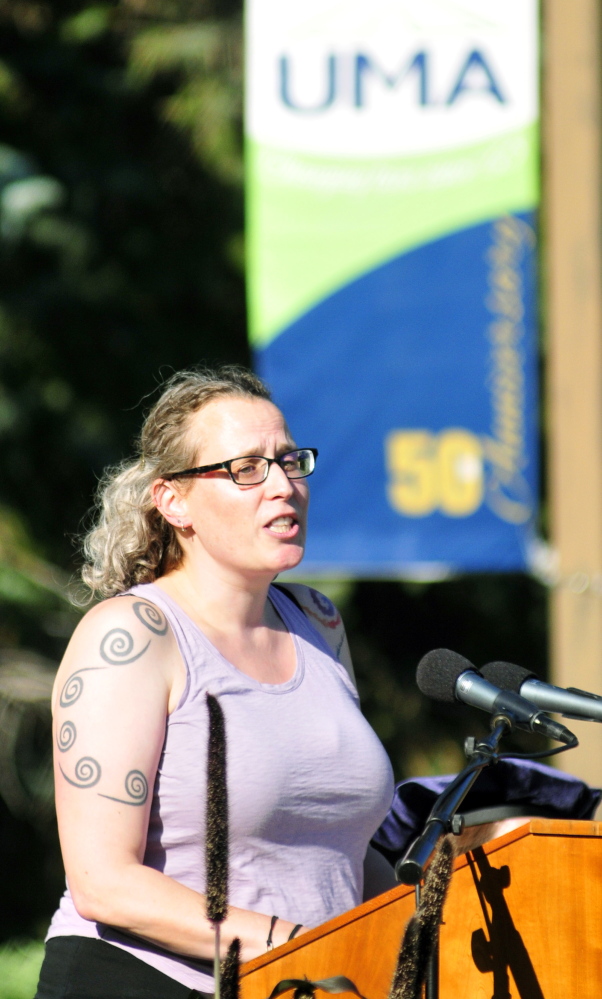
[117,646]
[87,773]
[71,691]
[117,649]
[151,617]
[66,737]
[74,685]
[136,787]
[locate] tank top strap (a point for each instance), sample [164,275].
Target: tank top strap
[296,620]
[300,625]
[183,627]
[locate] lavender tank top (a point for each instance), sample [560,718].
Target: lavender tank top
[308,784]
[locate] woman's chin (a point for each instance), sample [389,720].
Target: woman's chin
[289,557]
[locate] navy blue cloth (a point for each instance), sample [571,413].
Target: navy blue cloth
[539,788]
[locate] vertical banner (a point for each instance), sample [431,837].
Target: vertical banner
[392,179]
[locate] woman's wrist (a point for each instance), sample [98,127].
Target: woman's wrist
[280,931]
[269,944]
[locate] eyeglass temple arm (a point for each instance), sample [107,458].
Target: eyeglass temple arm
[197,471]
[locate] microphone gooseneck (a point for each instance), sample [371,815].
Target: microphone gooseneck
[448,676]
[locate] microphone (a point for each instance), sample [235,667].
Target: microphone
[571,703]
[448,676]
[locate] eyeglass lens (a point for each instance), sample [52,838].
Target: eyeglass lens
[295,465]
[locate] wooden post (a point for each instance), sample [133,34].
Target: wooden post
[571,236]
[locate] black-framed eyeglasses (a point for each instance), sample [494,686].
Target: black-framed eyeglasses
[252,469]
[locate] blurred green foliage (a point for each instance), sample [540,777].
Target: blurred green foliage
[121,227]
[121,259]
[120,215]
[19,969]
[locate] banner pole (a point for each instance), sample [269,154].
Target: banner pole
[571,231]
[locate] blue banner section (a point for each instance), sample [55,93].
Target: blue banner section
[418,384]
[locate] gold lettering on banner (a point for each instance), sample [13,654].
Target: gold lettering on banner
[507,492]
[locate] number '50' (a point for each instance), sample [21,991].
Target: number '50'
[429,472]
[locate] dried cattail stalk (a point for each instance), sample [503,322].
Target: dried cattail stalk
[216,844]
[421,932]
[432,901]
[405,984]
[230,970]
[216,848]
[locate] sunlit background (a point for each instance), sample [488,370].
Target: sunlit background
[122,259]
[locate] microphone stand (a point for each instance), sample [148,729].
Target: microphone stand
[443,819]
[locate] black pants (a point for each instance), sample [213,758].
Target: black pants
[83,968]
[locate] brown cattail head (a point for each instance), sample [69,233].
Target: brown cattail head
[405,984]
[432,901]
[421,932]
[216,846]
[230,971]
[305,990]
[436,884]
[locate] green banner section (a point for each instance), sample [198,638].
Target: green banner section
[316,223]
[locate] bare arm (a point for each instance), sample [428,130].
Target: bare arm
[121,676]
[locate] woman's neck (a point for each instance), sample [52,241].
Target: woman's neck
[239,621]
[219,600]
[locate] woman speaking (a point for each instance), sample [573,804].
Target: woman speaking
[188,541]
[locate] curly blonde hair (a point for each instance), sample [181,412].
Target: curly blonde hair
[130,541]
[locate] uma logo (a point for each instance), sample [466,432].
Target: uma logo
[475,75]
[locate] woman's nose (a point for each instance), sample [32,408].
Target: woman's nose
[277,481]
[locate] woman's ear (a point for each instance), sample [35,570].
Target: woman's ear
[170,502]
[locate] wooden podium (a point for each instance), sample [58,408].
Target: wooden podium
[523,919]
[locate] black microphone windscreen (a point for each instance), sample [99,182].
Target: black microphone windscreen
[507,676]
[438,672]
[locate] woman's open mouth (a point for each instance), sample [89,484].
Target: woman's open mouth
[285,526]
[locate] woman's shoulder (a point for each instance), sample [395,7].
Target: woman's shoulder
[326,619]
[131,613]
[121,631]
